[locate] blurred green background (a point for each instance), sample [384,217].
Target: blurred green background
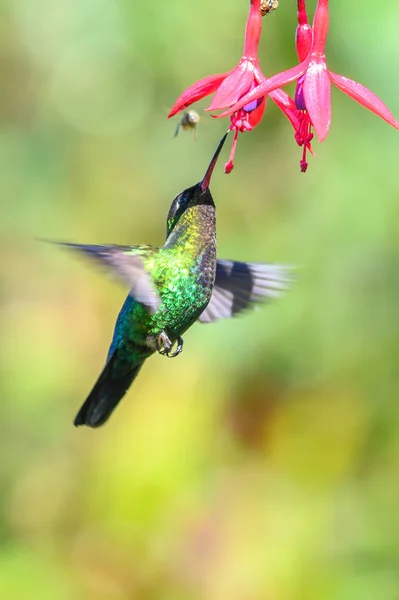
[263,464]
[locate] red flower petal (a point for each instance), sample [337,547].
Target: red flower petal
[236,84]
[255,116]
[287,105]
[200,89]
[365,97]
[269,85]
[317,94]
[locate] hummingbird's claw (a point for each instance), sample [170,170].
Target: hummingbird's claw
[164,345]
[179,348]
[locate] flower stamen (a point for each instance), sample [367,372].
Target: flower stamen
[239,122]
[303,134]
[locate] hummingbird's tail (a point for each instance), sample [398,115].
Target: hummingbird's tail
[109,389]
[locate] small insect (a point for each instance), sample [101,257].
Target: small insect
[188,122]
[266,6]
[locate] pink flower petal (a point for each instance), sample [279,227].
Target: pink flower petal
[269,85]
[236,84]
[200,89]
[287,105]
[365,97]
[317,94]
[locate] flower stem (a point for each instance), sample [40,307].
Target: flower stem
[304,33]
[302,14]
[321,23]
[253,30]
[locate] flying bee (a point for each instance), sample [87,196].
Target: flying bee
[188,122]
[266,6]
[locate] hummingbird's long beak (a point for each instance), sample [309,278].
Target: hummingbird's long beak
[204,184]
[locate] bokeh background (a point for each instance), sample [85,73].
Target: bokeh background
[263,464]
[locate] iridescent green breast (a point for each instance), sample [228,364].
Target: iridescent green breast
[183,274]
[185,284]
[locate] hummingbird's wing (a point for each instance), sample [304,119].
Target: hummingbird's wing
[239,284]
[127,263]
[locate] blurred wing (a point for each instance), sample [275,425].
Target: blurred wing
[126,262]
[238,285]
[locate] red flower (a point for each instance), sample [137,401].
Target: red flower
[303,41]
[313,92]
[230,87]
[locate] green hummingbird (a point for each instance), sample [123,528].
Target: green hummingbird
[171,288]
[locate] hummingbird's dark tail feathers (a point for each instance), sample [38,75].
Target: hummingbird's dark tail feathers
[110,388]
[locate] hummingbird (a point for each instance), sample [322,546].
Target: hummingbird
[171,288]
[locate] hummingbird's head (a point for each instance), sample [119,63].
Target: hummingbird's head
[196,195]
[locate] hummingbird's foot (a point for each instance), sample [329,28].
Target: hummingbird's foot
[164,345]
[179,348]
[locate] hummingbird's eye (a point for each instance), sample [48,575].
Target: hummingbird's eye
[178,208]
[182,200]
